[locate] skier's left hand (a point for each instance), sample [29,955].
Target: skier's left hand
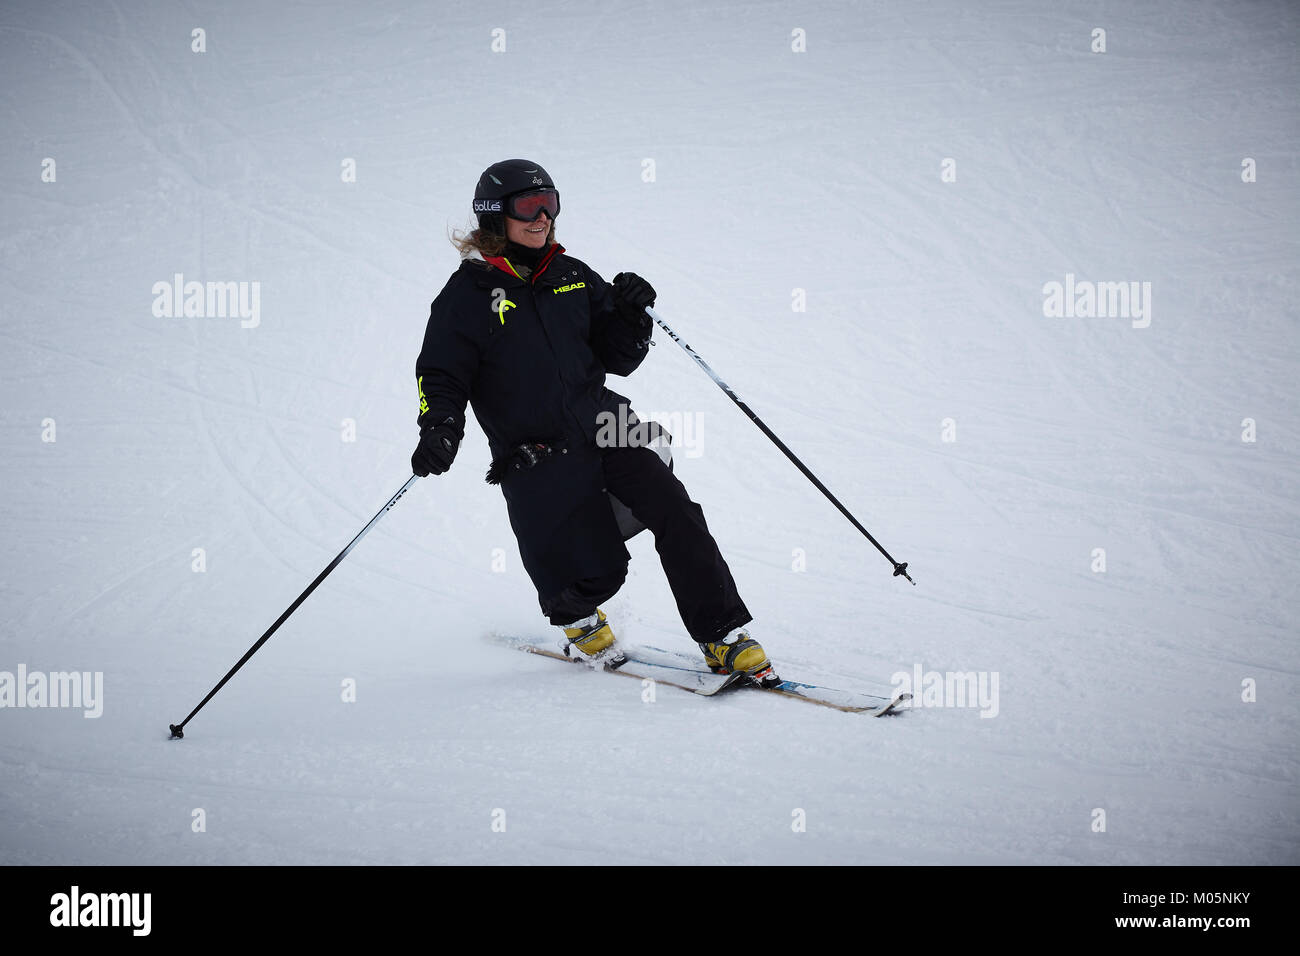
[631,295]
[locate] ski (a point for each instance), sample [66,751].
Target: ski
[679,670]
[705,683]
[844,700]
[848,701]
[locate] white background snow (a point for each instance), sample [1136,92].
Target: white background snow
[775,170]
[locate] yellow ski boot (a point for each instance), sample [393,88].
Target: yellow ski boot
[594,638]
[740,652]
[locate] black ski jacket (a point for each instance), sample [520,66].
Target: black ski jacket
[531,355]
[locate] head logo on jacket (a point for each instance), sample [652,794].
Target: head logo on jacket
[502,305]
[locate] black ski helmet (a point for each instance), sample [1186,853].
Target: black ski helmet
[499,182]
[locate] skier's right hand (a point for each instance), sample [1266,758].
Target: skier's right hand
[437,449]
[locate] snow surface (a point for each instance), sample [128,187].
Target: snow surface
[774,171]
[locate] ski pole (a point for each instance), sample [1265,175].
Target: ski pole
[178,729]
[898,568]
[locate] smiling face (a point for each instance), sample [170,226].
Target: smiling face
[532,234]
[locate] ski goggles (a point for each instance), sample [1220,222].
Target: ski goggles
[529,205]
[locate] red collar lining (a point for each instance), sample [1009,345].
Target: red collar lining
[502,263]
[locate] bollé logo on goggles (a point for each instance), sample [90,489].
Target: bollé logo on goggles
[487,205]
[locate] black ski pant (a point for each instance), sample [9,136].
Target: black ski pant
[701,582]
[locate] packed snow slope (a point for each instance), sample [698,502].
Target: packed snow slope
[854,212]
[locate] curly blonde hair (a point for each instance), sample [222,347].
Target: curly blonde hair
[486,243]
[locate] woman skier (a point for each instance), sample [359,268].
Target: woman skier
[526,334]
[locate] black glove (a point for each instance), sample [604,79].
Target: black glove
[631,295]
[437,449]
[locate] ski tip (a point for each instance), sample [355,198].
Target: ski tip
[895,706]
